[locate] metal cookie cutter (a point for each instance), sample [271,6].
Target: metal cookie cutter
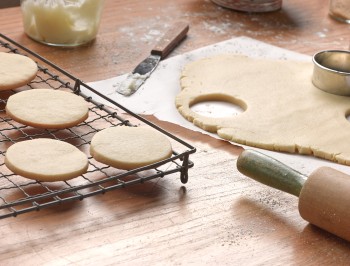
[332,71]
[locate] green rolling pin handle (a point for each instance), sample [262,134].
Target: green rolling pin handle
[270,172]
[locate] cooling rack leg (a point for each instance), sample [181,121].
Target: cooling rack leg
[77,86]
[184,170]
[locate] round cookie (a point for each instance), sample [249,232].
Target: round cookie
[129,147]
[16,70]
[46,160]
[47,108]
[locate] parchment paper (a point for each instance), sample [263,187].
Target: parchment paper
[157,95]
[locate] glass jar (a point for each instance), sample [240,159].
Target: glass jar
[62,22]
[340,10]
[250,5]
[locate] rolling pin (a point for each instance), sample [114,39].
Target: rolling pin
[324,196]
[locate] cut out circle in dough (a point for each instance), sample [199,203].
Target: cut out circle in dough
[16,70]
[284,111]
[46,160]
[47,108]
[129,147]
[216,109]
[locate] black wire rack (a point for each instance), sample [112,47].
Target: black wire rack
[20,195]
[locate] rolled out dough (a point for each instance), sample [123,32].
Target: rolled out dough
[283,110]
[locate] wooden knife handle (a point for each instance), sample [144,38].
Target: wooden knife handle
[270,172]
[171,39]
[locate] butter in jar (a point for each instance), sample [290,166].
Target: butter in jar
[62,22]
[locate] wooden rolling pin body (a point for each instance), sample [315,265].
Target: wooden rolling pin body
[324,197]
[324,201]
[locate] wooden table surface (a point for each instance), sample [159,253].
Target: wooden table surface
[219,217]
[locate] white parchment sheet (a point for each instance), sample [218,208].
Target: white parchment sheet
[157,95]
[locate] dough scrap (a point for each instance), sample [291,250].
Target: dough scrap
[283,110]
[46,160]
[128,148]
[16,70]
[47,108]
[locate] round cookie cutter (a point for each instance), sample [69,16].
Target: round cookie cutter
[332,71]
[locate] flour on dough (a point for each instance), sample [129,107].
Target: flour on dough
[283,111]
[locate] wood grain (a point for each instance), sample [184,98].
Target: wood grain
[220,217]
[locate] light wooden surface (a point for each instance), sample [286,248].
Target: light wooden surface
[219,217]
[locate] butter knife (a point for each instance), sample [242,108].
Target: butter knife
[142,71]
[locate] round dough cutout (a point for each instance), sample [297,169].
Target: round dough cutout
[46,160]
[128,148]
[47,108]
[16,70]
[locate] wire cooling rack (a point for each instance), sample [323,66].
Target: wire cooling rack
[19,195]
